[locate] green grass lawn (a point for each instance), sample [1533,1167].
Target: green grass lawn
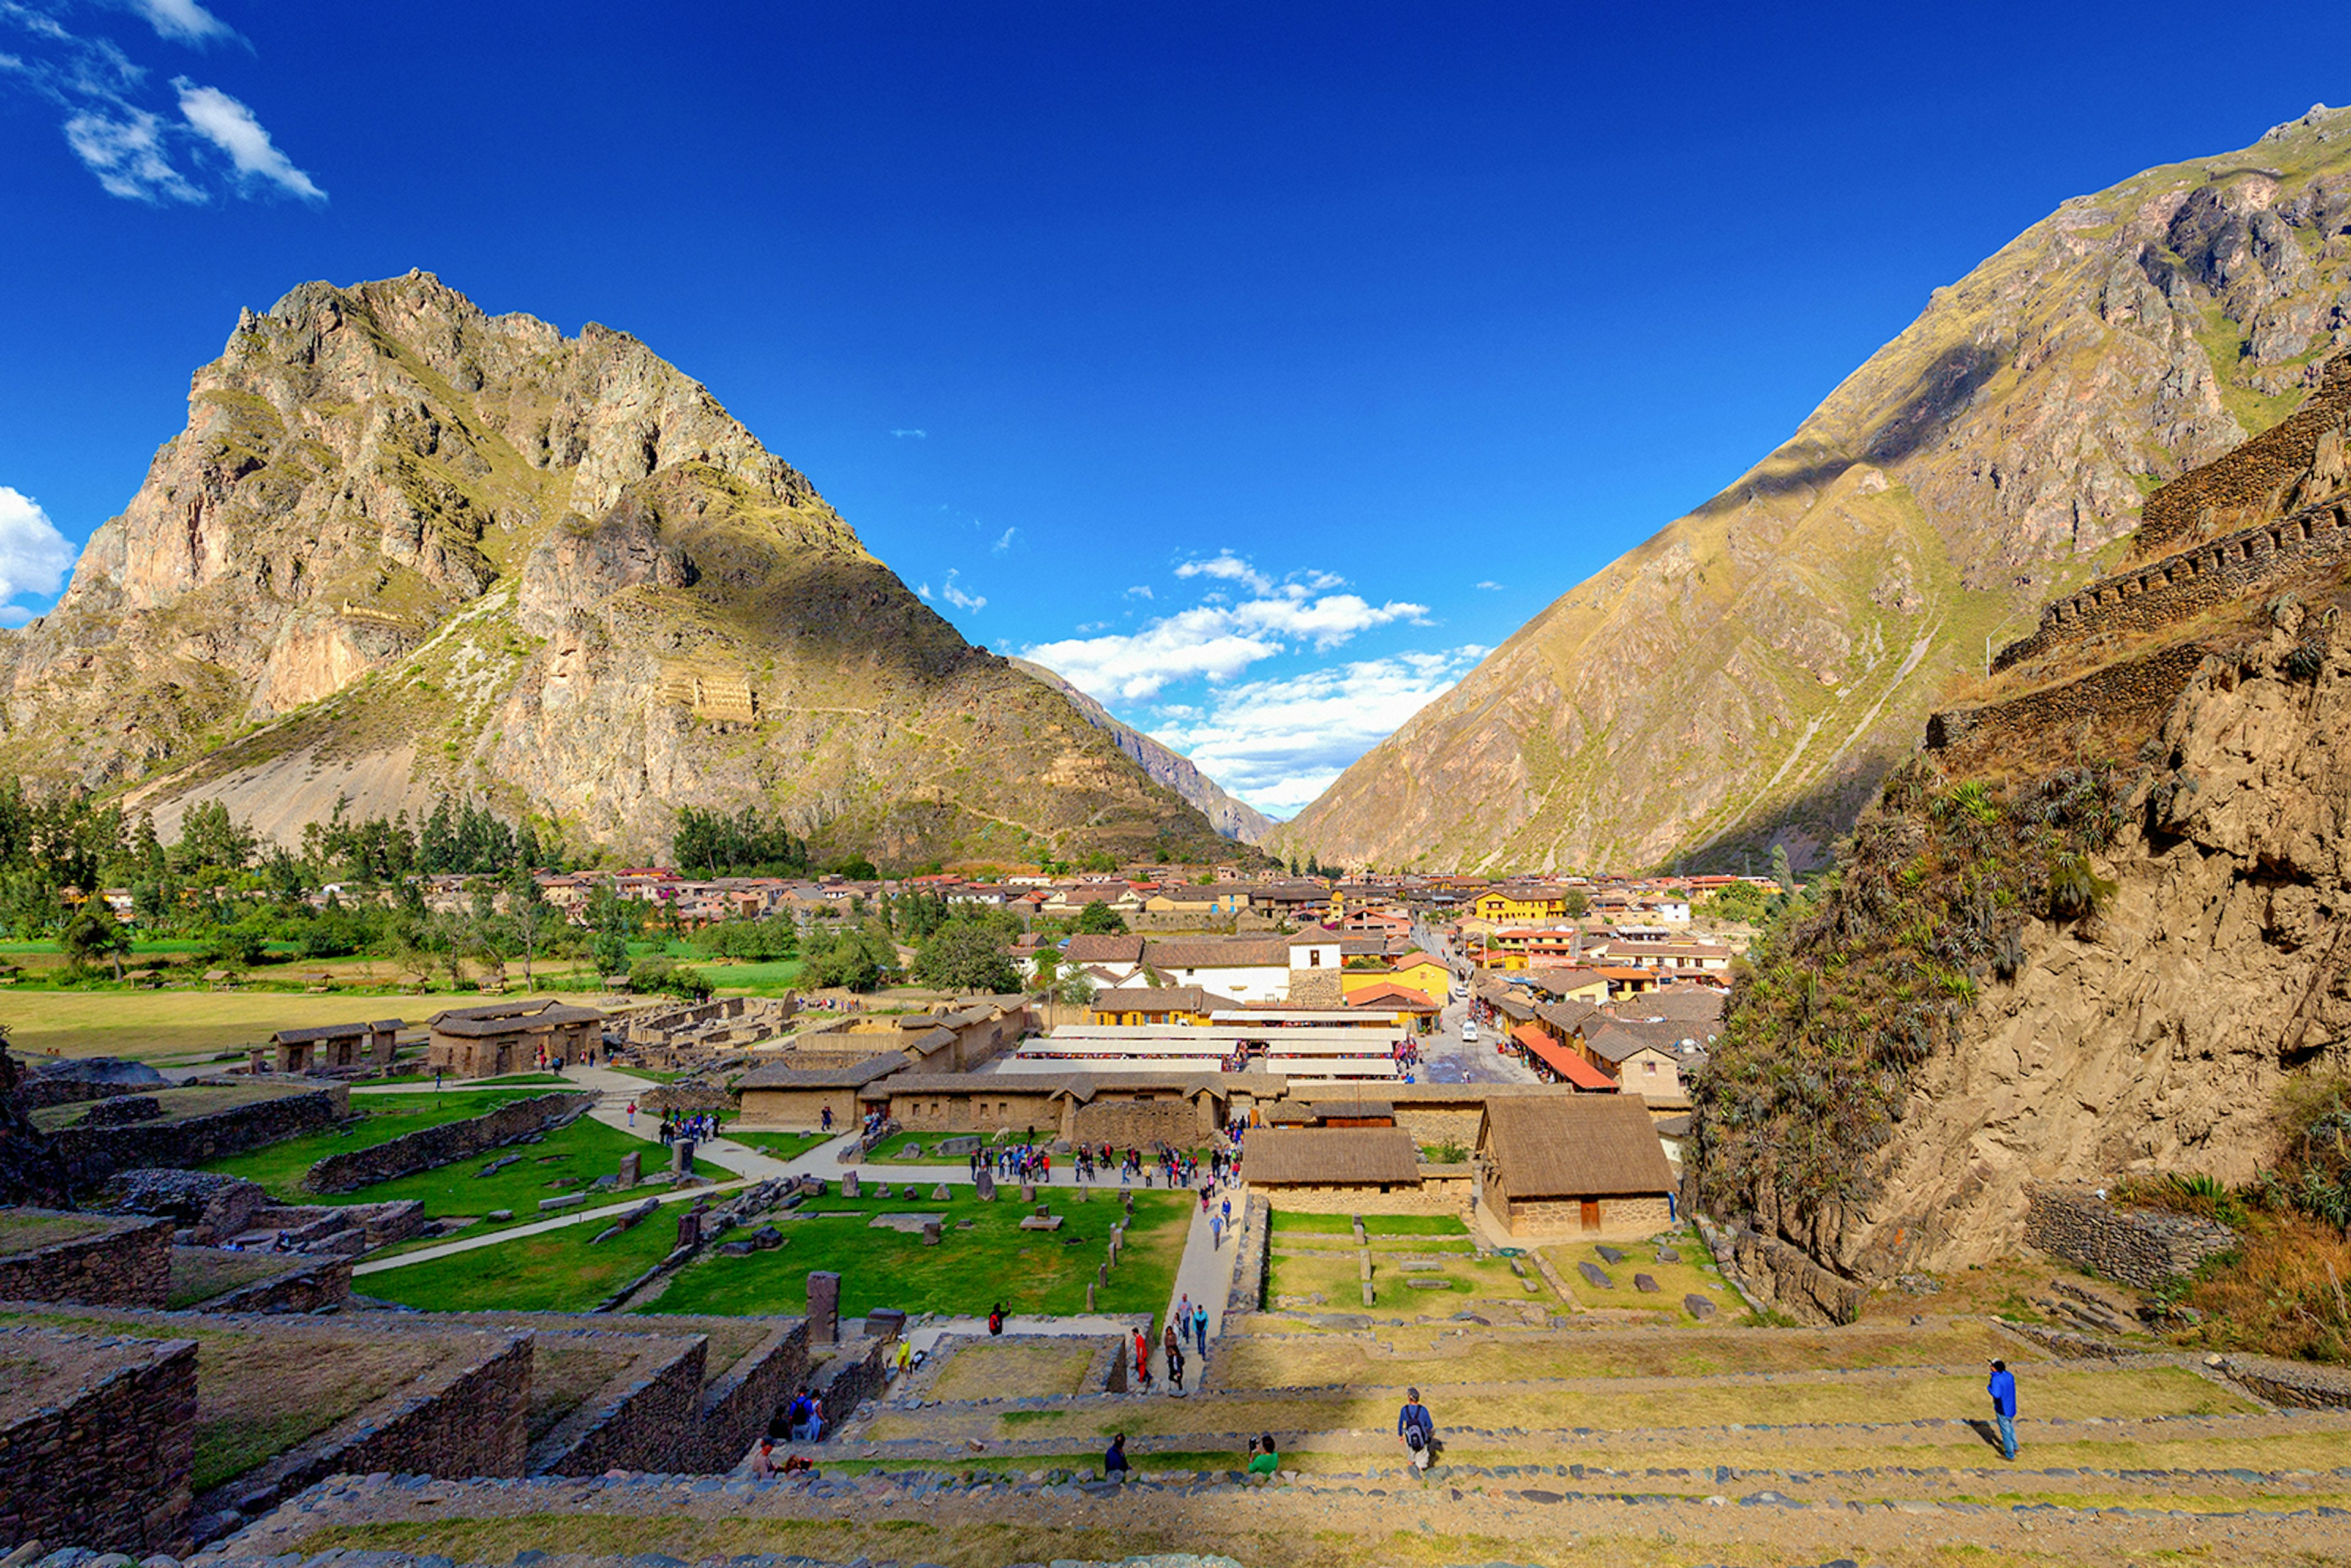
[581,1152]
[1374,1225]
[1029,1271]
[382,1117]
[751,978]
[552,1271]
[1675,1280]
[783,1146]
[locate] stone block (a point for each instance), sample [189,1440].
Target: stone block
[1668,1255]
[1041,1222]
[823,1308]
[939,1194]
[680,1156]
[848,1188]
[632,1169]
[1596,1277]
[931,1233]
[986,1188]
[1699,1307]
[766,1238]
[568,1200]
[1646,1284]
[1609,1254]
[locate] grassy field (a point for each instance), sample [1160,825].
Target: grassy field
[991,1371]
[200,1274]
[1333,1275]
[189,1100]
[27,1233]
[552,1271]
[1029,1271]
[280,1167]
[155,1025]
[1674,1280]
[783,1146]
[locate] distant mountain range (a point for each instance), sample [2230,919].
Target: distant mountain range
[1750,673]
[1232,817]
[406,548]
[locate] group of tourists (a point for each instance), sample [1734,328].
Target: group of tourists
[677,1126]
[1016,1162]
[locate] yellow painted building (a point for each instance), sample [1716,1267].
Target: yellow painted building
[1520,904]
[1414,971]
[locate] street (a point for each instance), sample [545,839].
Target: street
[1445,1056]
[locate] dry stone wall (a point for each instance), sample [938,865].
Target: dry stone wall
[2125,699]
[1137,1123]
[650,1420]
[431,1147]
[93,1154]
[108,1465]
[127,1265]
[2272,472]
[2145,1247]
[2181,587]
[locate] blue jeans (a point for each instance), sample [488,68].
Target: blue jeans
[2007,1424]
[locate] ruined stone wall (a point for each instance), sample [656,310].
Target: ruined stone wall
[431,1147]
[650,1422]
[2145,1247]
[324,1283]
[128,1265]
[2272,472]
[1140,1123]
[93,1154]
[108,1466]
[1432,1125]
[737,1408]
[1256,1244]
[2127,700]
[2181,587]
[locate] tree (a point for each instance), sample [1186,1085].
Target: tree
[1577,905]
[1781,872]
[1099,919]
[1097,860]
[1047,975]
[963,956]
[1078,988]
[93,934]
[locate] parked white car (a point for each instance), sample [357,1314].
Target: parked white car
[1470,1031]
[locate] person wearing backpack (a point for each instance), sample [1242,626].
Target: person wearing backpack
[1417,1430]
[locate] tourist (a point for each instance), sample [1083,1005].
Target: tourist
[1174,1364]
[633,1113]
[996,1319]
[1182,1321]
[2003,1389]
[1114,1462]
[1200,1325]
[1167,1339]
[1416,1430]
[763,1463]
[827,1117]
[1228,1212]
[1263,1459]
[1142,1360]
[1215,1233]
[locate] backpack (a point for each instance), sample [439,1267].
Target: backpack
[1413,1439]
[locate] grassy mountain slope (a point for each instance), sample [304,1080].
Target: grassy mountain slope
[1750,673]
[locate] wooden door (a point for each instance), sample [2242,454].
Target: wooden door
[1591,1214]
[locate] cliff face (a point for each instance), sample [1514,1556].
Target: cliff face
[1234,819]
[404,546]
[1754,671]
[2093,929]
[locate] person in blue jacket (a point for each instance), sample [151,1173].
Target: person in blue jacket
[1417,1429]
[2003,1389]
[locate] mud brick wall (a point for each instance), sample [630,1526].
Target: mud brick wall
[738,1407]
[128,1265]
[93,1154]
[1139,1123]
[2217,572]
[650,1421]
[432,1147]
[2145,1247]
[107,1468]
[2257,477]
[472,1421]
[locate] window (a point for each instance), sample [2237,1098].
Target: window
[1650,1068]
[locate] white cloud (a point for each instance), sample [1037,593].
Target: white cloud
[231,127]
[923,591]
[1225,564]
[1277,743]
[125,151]
[34,557]
[1140,591]
[1212,641]
[182,21]
[1001,545]
[1490,587]
[955,594]
[913,435]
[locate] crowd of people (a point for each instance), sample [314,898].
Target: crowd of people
[679,1126]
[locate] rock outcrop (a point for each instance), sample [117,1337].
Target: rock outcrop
[406,547]
[1234,819]
[1752,672]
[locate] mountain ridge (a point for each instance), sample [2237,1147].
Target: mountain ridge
[405,546]
[1234,817]
[1749,673]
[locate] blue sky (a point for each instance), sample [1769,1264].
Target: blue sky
[1258,367]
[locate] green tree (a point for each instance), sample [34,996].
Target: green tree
[1077,987]
[1576,904]
[964,956]
[1100,861]
[92,934]
[1099,919]
[1781,872]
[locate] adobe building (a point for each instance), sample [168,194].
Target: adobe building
[1571,1165]
[1350,1170]
[781,1095]
[332,1048]
[499,1037]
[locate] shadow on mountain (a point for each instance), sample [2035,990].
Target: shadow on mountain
[1941,390]
[1810,824]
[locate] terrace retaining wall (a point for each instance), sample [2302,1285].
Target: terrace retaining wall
[109,1465]
[737,1409]
[93,1154]
[324,1283]
[127,1265]
[429,1148]
[652,1421]
[2145,1247]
